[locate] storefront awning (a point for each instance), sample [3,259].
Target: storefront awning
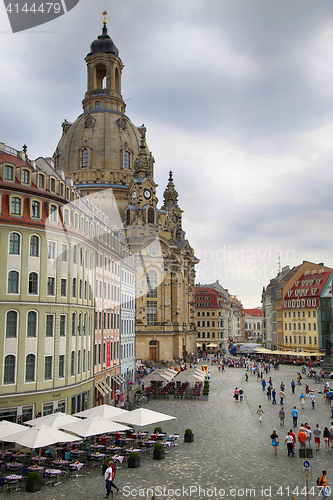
[105,385]
[117,378]
[100,389]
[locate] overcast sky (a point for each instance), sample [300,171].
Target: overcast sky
[237,98]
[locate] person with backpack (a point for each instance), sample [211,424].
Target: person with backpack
[322,483]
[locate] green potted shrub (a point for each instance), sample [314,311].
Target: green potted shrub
[133,460]
[157,430]
[34,482]
[158,453]
[188,436]
[171,393]
[129,432]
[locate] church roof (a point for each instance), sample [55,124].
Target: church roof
[103,43]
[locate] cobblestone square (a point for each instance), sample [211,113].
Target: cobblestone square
[231,456]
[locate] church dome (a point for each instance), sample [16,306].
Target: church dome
[106,135]
[103,43]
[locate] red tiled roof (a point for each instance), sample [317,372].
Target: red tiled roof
[253,312]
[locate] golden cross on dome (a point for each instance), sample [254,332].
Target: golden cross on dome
[104,14]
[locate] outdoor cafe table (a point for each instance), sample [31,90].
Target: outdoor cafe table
[126,440]
[53,473]
[14,465]
[19,455]
[129,450]
[77,466]
[113,448]
[37,468]
[158,436]
[37,459]
[60,462]
[78,452]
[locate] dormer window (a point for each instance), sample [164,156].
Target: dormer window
[52,185]
[41,181]
[85,158]
[9,173]
[25,176]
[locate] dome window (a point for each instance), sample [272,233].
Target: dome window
[97,104]
[126,162]
[85,158]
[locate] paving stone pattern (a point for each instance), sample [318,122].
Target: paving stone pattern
[231,456]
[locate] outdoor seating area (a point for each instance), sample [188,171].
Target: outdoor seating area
[82,444]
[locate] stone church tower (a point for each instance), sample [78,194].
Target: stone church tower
[102,149]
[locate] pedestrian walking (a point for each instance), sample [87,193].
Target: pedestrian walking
[275,441]
[294,439]
[282,416]
[323,484]
[308,436]
[302,399]
[236,394]
[294,413]
[290,444]
[327,439]
[301,436]
[241,395]
[263,383]
[269,393]
[307,389]
[274,396]
[282,396]
[331,434]
[260,412]
[317,432]
[108,480]
[246,376]
[293,385]
[313,400]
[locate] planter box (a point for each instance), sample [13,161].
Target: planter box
[158,454]
[33,486]
[133,463]
[171,396]
[188,438]
[205,397]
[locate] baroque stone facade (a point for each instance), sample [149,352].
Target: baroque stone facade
[109,160]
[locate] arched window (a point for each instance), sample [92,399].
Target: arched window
[117,80]
[79,361]
[84,360]
[14,243]
[128,217]
[74,324]
[80,323]
[11,324]
[9,369]
[30,368]
[97,104]
[33,283]
[34,246]
[32,324]
[16,205]
[151,216]
[74,288]
[13,282]
[73,363]
[258,326]
[126,162]
[151,284]
[85,158]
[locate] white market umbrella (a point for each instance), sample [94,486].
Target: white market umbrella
[7,428]
[38,437]
[167,371]
[142,417]
[94,426]
[103,411]
[188,377]
[55,420]
[157,377]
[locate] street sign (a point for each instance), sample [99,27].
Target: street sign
[306,465]
[307,476]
